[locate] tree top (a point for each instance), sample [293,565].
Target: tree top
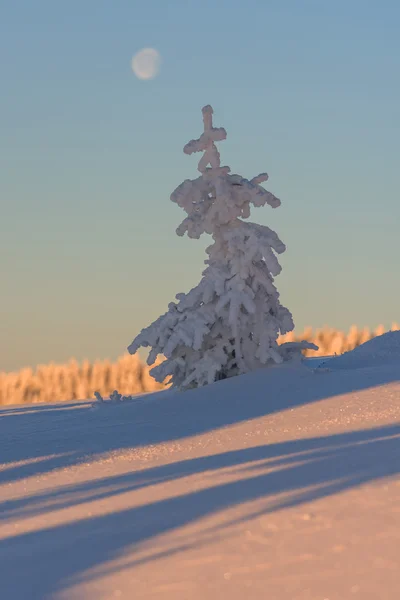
[206,142]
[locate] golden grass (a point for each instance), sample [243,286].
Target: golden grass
[129,375]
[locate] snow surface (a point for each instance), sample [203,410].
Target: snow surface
[381,350]
[281,484]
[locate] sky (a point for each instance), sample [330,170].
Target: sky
[308,90]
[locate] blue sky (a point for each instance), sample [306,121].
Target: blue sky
[308,91]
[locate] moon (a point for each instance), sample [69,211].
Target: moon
[146,63]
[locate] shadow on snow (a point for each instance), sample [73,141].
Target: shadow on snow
[56,557]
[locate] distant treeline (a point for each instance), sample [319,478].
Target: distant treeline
[130,375]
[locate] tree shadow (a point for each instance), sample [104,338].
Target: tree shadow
[280,475]
[39,438]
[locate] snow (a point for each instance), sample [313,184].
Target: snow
[381,350]
[281,484]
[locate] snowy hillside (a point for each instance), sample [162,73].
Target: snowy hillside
[280,484]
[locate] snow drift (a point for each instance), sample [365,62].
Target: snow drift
[380,351]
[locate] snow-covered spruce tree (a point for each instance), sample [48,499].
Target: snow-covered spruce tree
[229,323]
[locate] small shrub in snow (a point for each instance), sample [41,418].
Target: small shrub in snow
[98,397]
[230,322]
